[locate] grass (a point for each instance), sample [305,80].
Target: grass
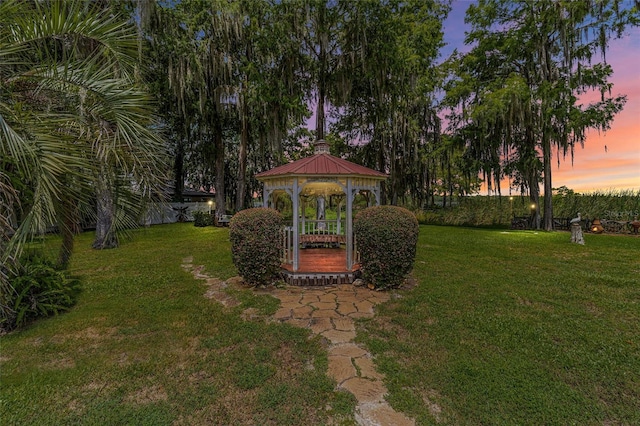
[503,327]
[514,328]
[143,346]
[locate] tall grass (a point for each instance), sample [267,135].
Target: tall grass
[621,205]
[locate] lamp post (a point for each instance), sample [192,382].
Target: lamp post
[210,203]
[533,216]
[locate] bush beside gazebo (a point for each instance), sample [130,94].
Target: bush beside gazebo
[387,237]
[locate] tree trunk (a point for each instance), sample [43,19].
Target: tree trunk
[219,150]
[427,188]
[178,168]
[534,197]
[69,227]
[548,190]
[105,213]
[320,115]
[242,158]
[66,249]
[393,164]
[450,178]
[322,59]
[546,139]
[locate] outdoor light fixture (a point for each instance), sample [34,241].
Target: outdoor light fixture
[210,204]
[596,226]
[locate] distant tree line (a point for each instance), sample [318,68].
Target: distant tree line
[236,80]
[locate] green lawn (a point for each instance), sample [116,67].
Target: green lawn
[502,328]
[515,328]
[143,346]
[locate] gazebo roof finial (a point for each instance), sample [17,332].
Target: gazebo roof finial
[321,147]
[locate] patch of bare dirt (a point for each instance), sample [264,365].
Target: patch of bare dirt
[35,342]
[593,309]
[429,397]
[76,406]
[185,354]
[89,333]
[251,314]
[93,386]
[409,283]
[93,389]
[147,395]
[199,377]
[236,282]
[290,366]
[60,364]
[230,407]
[385,324]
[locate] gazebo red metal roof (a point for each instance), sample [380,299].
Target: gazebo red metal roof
[322,164]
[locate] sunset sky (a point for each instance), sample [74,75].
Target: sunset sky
[609,161]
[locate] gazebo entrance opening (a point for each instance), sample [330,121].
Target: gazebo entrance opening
[322,230]
[321,190]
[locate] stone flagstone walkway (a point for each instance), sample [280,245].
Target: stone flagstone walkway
[330,312]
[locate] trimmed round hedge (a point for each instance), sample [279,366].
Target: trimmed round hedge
[387,237]
[256,245]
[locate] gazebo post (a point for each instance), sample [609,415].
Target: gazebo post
[265,197]
[349,225]
[338,224]
[296,249]
[304,215]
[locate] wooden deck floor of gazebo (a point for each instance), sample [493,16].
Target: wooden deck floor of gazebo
[320,266]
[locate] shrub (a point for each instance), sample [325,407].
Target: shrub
[387,237]
[256,244]
[39,290]
[201,219]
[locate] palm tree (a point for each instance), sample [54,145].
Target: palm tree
[74,122]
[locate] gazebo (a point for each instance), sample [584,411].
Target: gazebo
[319,177]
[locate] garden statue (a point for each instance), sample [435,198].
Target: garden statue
[320,213]
[576,230]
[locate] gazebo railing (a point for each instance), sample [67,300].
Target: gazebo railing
[287,244]
[322,227]
[322,233]
[288,247]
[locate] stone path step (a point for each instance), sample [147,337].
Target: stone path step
[330,312]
